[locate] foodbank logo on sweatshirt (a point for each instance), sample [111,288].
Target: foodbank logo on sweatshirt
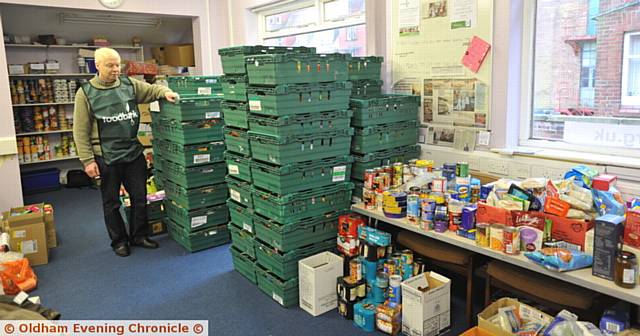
[128,115]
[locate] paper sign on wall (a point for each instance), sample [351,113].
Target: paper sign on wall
[475,54]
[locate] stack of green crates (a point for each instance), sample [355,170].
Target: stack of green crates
[189,148]
[386,128]
[288,139]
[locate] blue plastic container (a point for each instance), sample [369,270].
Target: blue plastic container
[370,268]
[40,180]
[91,64]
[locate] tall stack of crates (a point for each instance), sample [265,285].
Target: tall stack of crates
[386,128]
[288,161]
[188,156]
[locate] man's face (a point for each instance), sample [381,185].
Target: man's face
[109,68]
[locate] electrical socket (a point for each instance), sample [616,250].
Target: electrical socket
[497,166]
[474,163]
[549,172]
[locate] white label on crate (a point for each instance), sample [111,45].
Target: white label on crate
[211,233]
[29,246]
[235,195]
[628,276]
[612,327]
[339,173]
[278,299]
[37,66]
[53,66]
[204,91]
[233,169]
[19,234]
[197,221]
[247,227]
[201,158]
[255,105]
[16,69]
[212,115]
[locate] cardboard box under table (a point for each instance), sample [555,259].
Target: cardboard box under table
[527,313]
[318,276]
[426,303]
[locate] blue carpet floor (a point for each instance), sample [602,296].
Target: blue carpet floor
[85,280]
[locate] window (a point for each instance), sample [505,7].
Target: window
[330,26]
[631,70]
[585,77]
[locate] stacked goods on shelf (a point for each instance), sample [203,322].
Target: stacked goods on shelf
[385,125]
[43,90]
[37,148]
[288,136]
[189,163]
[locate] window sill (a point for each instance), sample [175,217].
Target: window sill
[575,156]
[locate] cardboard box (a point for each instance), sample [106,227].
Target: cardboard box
[179,55]
[157,227]
[608,233]
[493,215]
[632,228]
[27,218]
[50,227]
[528,218]
[158,54]
[476,331]
[426,304]
[318,277]
[572,231]
[30,240]
[527,313]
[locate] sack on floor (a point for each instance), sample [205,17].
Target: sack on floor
[77,178]
[17,276]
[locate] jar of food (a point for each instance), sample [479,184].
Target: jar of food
[626,270]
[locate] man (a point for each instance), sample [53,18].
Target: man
[105,128]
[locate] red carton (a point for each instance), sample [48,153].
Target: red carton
[141,68]
[632,229]
[604,182]
[493,215]
[572,231]
[528,218]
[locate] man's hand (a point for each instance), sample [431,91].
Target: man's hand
[92,170]
[172,96]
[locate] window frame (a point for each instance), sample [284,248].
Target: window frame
[527,76]
[626,100]
[320,23]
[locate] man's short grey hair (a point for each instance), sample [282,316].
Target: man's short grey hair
[102,53]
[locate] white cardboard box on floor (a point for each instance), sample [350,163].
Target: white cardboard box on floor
[318,276]
[426,303]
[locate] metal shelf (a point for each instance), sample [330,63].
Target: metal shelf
[42,104]
[56,75]
[44,132]
[52,160]
[56,46]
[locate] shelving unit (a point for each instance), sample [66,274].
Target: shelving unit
[44,132]
[54,75]
[42,104]
[51,160]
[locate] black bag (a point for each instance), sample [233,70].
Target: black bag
[77,178]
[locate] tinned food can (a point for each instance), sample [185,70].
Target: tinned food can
[496,237]
[511,237]
[369,196]
[462,169]
[355,269]
[369,176]
[482,234]
[398,169]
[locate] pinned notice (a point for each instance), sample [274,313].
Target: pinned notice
[475,54]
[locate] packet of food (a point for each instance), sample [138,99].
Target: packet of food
[511,314]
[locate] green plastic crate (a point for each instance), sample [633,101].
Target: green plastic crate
[157,160]
[197,219]
[381,137]
[158,178]
[366,89]
[298,148]
[288,99]
[155,211]
[244,264]
[201,239]
[192,155]
[234,87]
[197,198]
[195,85]
[386,109]
[296,68]
[361,68]
[236,114]
[284,292]
[240,191]
[237,141]
[242,240]
[291,208]
[357,191]
[285,264]
[382,158]
[191,132]
[193,177]
[294,177]
[191,108]
[290,237]
[241,216]
[298,124]
[233,57]
[238,166]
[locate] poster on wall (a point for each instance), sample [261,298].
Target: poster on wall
[463,13]
[441,136]
[454,102]
[434,9]
[409,17]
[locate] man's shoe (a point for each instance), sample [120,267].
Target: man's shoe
[122,250]
[145,242]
